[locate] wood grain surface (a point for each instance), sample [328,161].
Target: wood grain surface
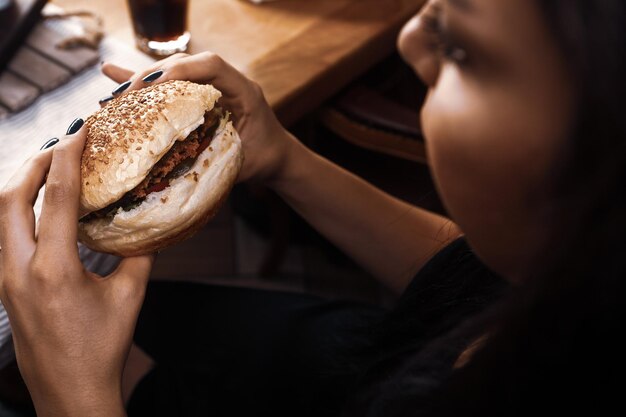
[300,51]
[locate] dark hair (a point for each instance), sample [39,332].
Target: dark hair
[554,344]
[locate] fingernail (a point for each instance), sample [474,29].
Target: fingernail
[49,143]
[120,88]
[75,126]
[105,99]
[151,77]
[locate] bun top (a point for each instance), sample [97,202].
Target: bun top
[128,136]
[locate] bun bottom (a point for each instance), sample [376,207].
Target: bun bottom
[177,212]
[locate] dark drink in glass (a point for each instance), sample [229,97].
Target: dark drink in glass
[160,25]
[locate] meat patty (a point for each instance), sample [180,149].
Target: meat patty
[187,149]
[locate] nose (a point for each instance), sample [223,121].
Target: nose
[419,49]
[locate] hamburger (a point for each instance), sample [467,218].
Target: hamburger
[157,165]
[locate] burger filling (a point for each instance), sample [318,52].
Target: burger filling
[176,162]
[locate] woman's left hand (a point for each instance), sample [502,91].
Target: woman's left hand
[267,146]
[72,329]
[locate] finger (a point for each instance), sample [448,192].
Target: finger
[136,78]
[17,220]
[205,67]
[59,214]
[116,73]
[132,273]
[210,68]
[105,101]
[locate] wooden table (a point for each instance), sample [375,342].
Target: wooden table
[300,51]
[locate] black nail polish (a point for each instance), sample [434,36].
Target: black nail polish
[151,77]
[105,99]
[49,143]
[120,88]
[75,126]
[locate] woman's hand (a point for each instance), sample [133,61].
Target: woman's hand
[72,329]
[266,144]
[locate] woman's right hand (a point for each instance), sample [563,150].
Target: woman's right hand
[266,144]
[72,329]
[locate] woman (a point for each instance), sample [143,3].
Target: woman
[526,144]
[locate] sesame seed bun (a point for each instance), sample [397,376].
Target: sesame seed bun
[165,217]
[128,136]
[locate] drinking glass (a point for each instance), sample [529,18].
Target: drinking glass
[160,25]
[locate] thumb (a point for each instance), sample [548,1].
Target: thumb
[133,273]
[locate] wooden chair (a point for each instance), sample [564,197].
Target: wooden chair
[380,112]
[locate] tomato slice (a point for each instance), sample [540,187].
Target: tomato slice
[158,187]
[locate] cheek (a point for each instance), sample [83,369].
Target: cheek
[465,146]
[489,161]
[463,166]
